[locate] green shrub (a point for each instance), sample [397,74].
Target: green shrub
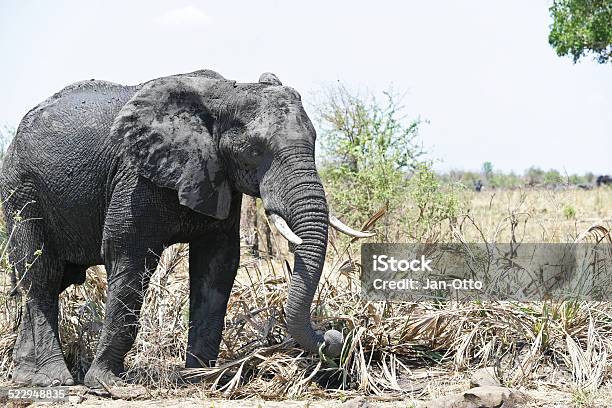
[371,161]
[569,212]
[435,202]
[502,180]
[534,176]
[552,177]
[367,148]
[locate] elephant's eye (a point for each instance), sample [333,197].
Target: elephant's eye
[254,152]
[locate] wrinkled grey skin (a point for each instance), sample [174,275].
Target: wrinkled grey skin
[102,173]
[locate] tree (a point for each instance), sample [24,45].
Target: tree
[368,147]
[487,169]
[357,132]
[552,177]
[534,176]
[7,133]
[582,26]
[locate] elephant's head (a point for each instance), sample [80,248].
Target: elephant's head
[206,137]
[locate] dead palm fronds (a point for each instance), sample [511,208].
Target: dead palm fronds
[390,348]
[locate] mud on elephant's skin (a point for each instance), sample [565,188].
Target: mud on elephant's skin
[111,174]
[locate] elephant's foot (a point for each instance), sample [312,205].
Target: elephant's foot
[199,361]
[98,377]
[50,374]
[104,382]
[23,372]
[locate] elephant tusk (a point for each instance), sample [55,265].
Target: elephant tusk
[283,228]
[340,226]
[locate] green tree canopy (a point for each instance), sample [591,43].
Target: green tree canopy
[368,146]
[582,26]
[359,132]
[487,169]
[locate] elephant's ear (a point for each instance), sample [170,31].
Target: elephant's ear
[167,133]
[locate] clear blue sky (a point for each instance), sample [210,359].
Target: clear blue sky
[481,72]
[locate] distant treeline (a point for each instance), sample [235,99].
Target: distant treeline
[532,177]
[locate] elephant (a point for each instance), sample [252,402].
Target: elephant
[603,180]
[108,174]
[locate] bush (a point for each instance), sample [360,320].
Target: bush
[569,212]
[367,147]
[435,202]
[501,180]
[534,176]
[552,177]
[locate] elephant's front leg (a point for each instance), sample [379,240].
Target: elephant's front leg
[213,262]
[128,270]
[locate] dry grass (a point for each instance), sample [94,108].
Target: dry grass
[539,214]
[391,348]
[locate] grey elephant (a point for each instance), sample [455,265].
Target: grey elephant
[102,173]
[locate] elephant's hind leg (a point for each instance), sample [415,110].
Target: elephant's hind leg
[37,354]
[24,357]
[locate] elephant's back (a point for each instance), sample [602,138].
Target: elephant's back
[62,157]
[80,110]
[69,128]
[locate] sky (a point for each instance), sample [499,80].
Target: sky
[480,72]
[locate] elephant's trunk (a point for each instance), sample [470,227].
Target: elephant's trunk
[310,224]
[306,213]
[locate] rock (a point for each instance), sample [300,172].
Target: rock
[127,392]
[484,377]
[481,397]
[358,402]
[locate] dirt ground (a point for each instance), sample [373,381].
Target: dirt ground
[543,397]
[540,400]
